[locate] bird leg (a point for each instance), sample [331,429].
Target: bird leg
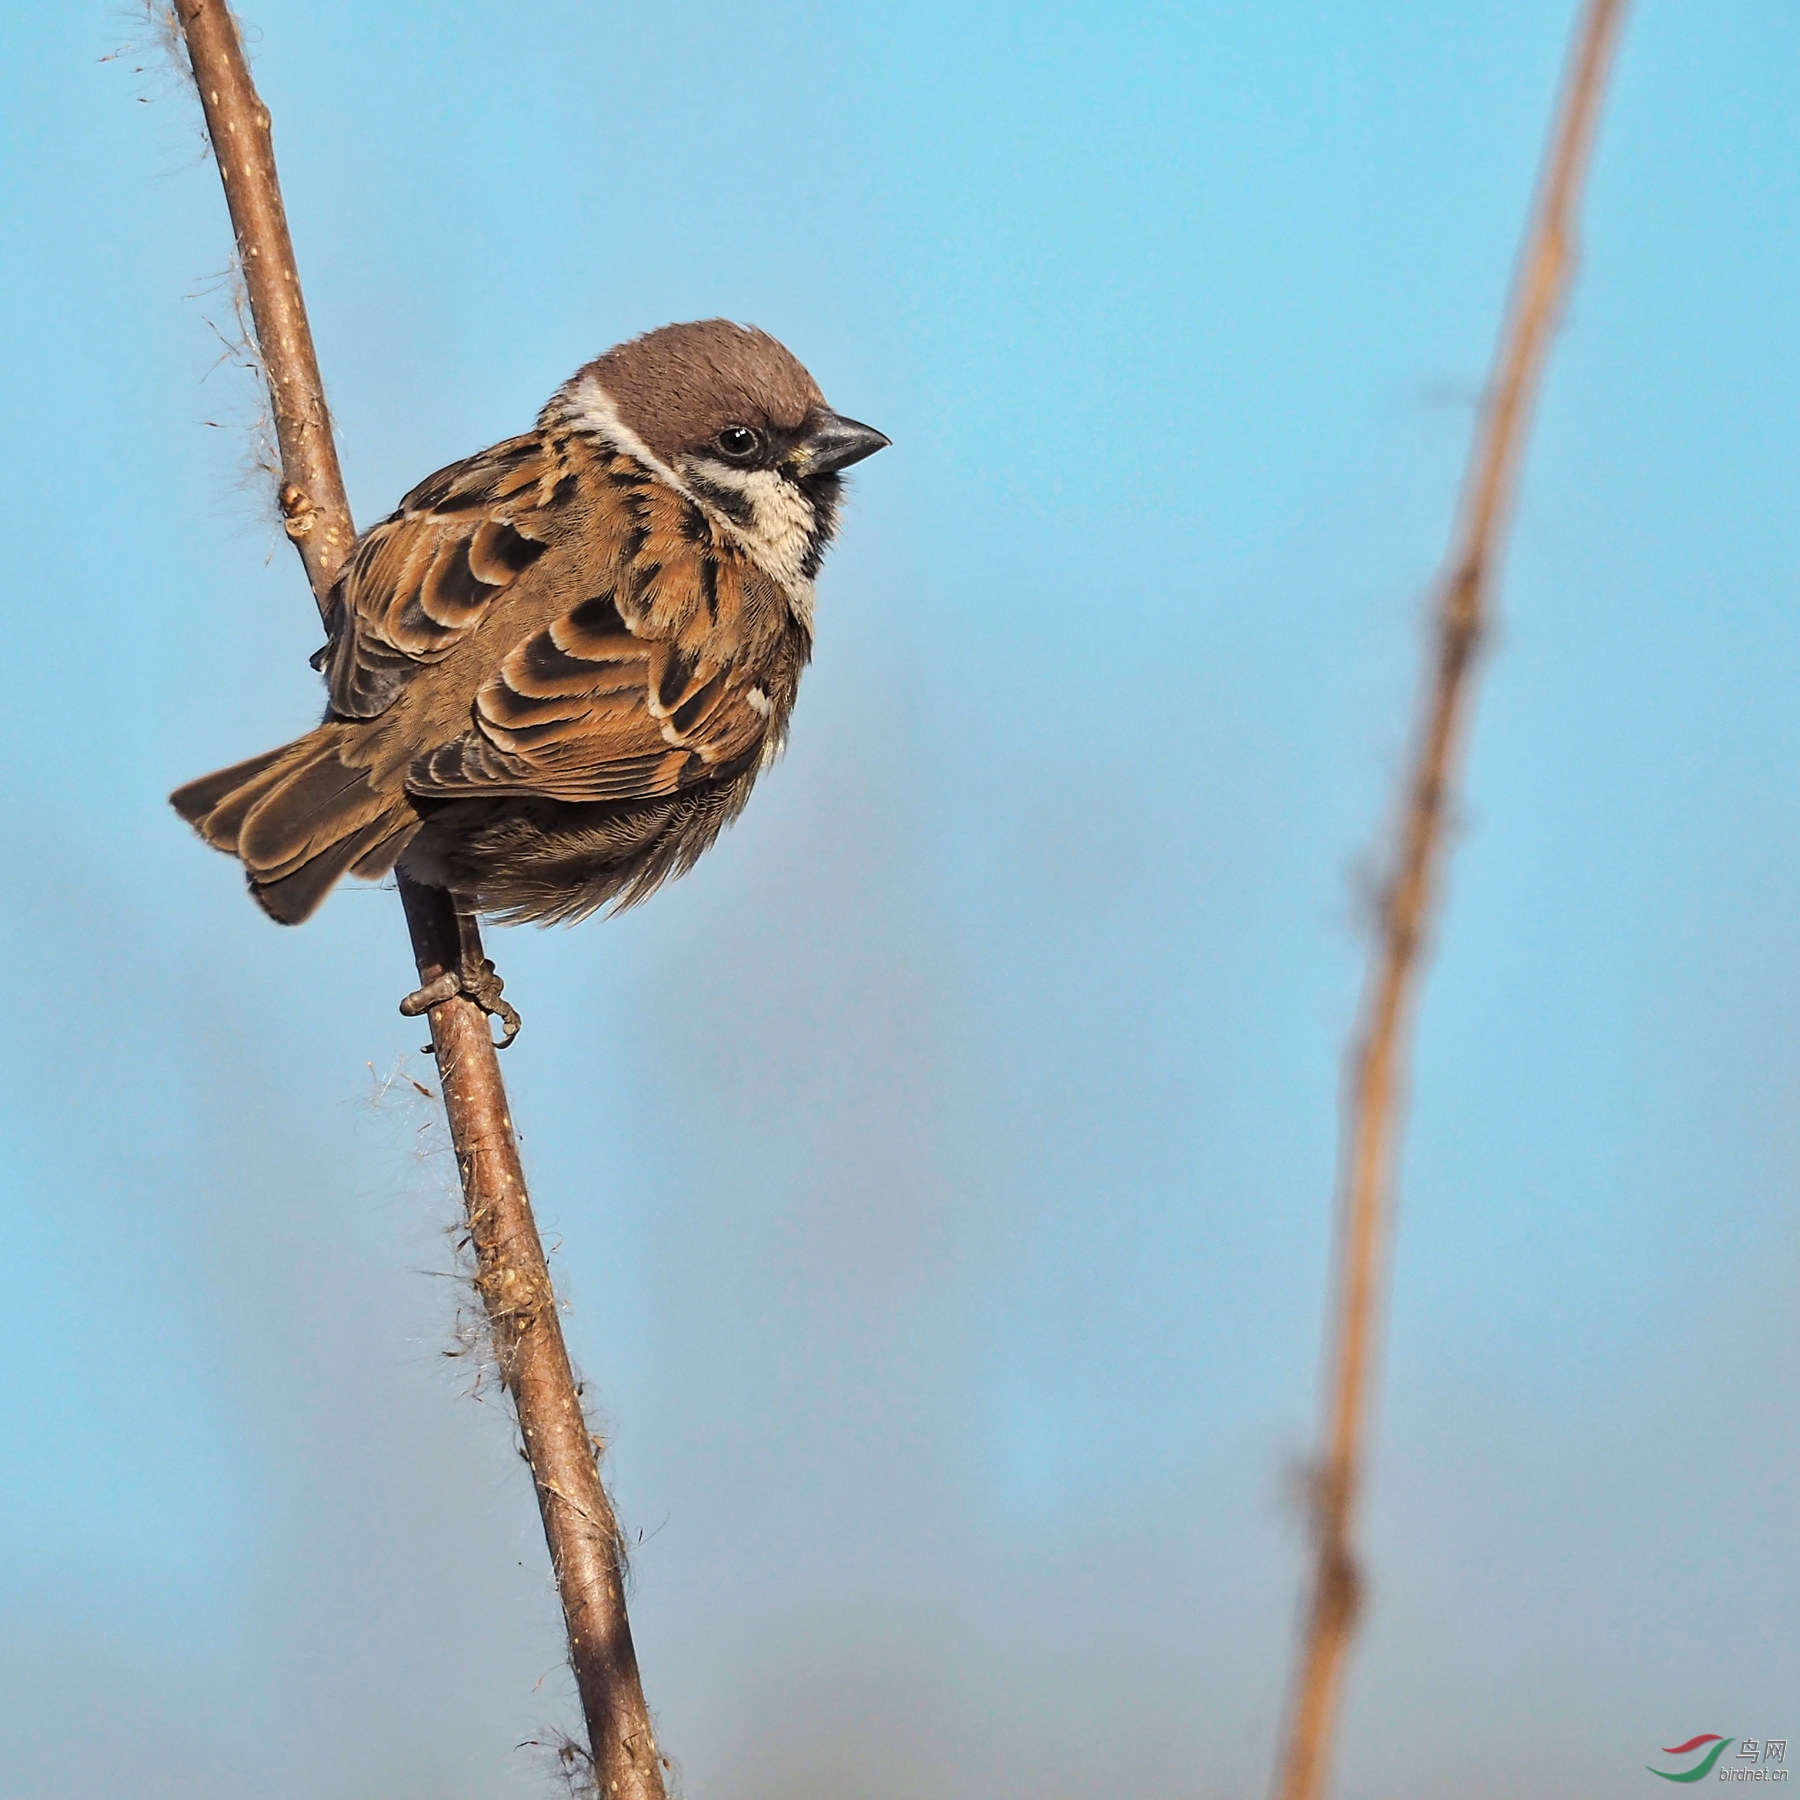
[473,978]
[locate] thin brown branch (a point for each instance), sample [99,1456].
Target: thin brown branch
[511,1275]
[237,122]
[1374,1095]
[513,1281]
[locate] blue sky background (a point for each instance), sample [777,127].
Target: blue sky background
[940,1176]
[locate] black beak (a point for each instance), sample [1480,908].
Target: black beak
[834,442]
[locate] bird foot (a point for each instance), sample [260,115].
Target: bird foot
[476,981]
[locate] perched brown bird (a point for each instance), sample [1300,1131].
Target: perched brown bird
[557,669]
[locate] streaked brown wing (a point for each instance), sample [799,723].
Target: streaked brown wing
[666,677]
[421,580]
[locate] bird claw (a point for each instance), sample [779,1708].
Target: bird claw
[476,981]
[433,993]
[482,985]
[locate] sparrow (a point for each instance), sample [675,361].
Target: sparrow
[557,669]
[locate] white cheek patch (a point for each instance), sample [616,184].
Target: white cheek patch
[783,524]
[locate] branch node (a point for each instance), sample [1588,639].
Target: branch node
[299,515]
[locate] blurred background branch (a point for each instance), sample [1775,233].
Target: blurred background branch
[1376,1074]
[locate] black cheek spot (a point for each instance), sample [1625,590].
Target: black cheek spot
[737,507]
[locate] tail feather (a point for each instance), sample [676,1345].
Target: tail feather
[307,812]
[290,898]
[379,860]
[298,818]
[215,804]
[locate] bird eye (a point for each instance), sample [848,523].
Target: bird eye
[738,442]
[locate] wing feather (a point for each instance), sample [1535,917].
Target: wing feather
[654,684]
[673,671]
[419,582]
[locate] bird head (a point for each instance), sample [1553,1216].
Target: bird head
[733,415]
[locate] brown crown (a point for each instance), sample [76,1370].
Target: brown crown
[681,385]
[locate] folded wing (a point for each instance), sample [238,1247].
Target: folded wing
[672,673]
[419,582]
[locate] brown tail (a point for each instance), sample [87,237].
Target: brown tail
[298,818]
